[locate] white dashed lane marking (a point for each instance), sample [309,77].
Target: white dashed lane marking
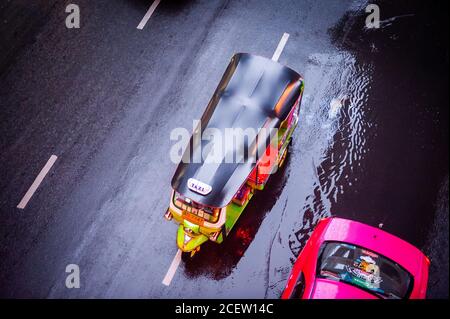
[172,269]
[280,47]
[23,203]
[148,14]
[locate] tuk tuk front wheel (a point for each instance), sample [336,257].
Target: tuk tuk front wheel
[195,251]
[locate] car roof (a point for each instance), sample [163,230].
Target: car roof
[254,92]
[377,240]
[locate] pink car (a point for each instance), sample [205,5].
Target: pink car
[344,259]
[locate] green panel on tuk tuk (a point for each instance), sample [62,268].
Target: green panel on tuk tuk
[195,242]
[233,213]
[281,132]
[194,227]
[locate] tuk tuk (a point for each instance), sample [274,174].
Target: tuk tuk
[215,180]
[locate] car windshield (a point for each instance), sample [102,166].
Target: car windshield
[365,269]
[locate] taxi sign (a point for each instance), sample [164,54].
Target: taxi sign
[198,187]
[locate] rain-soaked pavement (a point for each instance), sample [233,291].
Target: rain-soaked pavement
[104,99]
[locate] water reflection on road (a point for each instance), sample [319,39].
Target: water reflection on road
[332,145]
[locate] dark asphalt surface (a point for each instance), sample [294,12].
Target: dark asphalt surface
[104,98]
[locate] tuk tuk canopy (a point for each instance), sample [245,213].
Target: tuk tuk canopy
[254,93]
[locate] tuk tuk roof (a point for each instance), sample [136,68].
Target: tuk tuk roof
[254,92]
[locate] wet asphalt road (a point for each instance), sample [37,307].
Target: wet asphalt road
[105,97]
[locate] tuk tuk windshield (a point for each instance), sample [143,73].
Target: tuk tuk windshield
[209,214]
[365,269]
